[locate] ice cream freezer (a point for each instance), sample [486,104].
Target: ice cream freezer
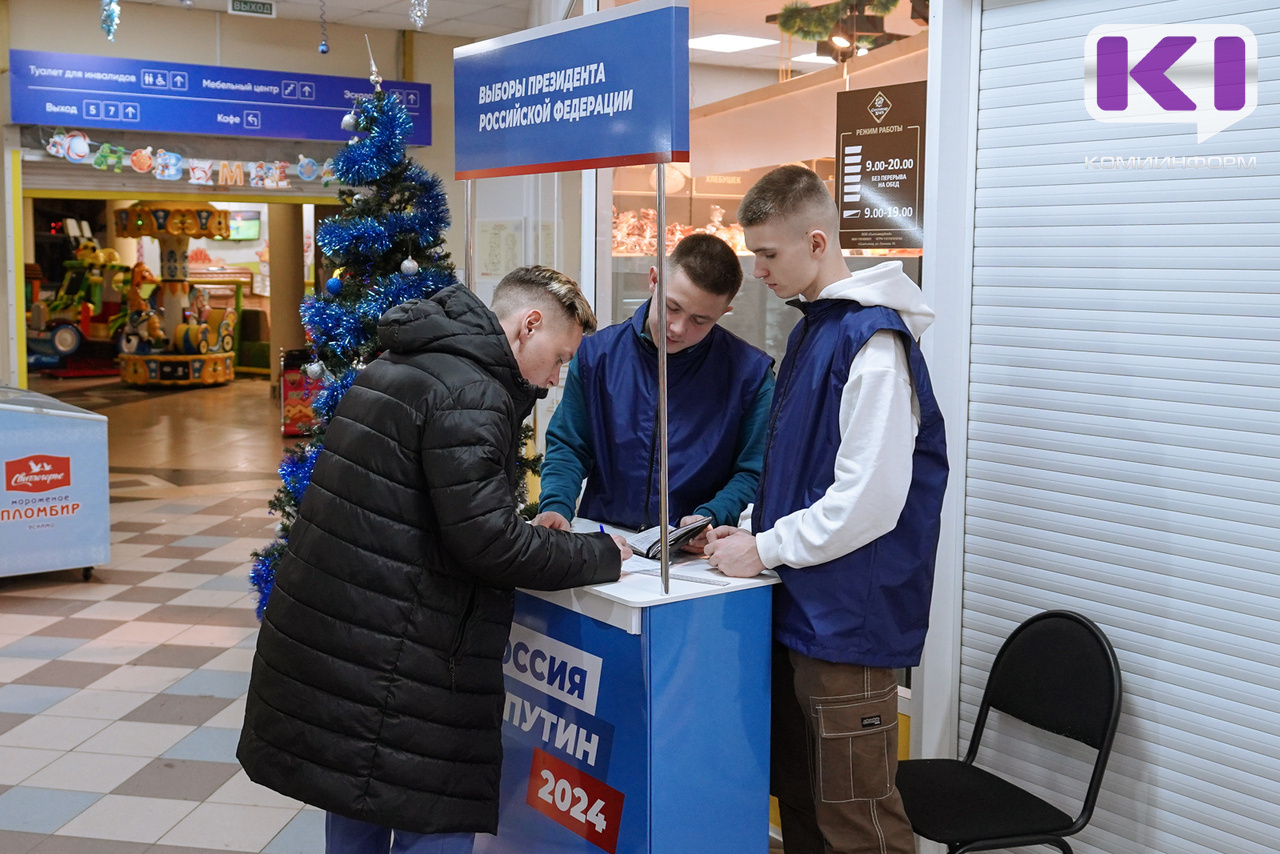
[54,510]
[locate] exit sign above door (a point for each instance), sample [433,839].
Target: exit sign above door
[257,8]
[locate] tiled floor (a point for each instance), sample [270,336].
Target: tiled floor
[121,697]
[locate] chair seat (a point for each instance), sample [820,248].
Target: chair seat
[951,802]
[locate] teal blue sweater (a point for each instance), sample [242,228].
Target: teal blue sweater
[569,457]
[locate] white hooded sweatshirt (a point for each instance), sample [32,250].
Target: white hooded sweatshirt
[879,419]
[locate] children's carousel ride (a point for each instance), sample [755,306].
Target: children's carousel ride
[176,339]
[59,324]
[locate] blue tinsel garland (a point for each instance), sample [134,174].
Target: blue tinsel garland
[295,470]
[330,323]
[263,573]
[339,237]
[326,402]
[366,160]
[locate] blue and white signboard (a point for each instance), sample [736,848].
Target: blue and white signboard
[143,94]
[606,89]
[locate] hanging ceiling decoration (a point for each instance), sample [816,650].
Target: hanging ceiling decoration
[418,12]
[816,23]
[110,18]
[324,31]
[845,27]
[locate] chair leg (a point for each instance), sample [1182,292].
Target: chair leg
[966,848]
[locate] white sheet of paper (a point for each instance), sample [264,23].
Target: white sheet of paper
[638,562]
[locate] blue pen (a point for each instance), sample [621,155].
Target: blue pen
[602,529]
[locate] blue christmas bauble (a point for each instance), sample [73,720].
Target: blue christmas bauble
[333,285]
[324,47]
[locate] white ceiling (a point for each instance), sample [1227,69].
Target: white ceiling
[473,19]
[483,19]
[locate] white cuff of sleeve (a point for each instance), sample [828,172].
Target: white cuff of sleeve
[767,546]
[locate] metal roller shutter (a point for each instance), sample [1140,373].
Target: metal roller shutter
[1124,426]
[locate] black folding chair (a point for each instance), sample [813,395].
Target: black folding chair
[1057,672]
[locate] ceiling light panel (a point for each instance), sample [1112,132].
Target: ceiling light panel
[725,43]
[814,58]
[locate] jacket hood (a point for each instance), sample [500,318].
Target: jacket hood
[455,322]
[885,285]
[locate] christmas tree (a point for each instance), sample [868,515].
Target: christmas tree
[386,247]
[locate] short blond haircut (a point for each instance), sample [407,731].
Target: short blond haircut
[547,289]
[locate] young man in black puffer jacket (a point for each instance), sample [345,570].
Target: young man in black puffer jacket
[377,686]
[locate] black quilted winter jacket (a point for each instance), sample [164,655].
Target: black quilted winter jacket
[377,687]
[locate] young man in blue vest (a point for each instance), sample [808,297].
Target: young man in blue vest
[848,513]
[604,430]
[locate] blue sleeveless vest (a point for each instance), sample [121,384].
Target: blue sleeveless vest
[710,390]
[871,606]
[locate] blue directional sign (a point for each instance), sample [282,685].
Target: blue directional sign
[606,89]
[133,94]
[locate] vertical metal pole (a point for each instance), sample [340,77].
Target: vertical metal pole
[556,218]
[587,277]
[660,327]
[469,235]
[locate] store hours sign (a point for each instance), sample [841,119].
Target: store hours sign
[880,167]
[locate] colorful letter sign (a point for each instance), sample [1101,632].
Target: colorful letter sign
[606,89]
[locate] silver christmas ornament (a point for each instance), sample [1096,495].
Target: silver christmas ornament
[408,266]
[350,121]
[315,370]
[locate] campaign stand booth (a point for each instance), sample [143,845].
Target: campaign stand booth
[637,713]
[638,720]
[55,502]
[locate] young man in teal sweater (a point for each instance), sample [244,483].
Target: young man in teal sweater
[719,389]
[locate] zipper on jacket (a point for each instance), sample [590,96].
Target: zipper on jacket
[653,458]
[458,637]
[782,397]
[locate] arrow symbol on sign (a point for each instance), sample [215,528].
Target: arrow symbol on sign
[1150,73]
[128,111]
